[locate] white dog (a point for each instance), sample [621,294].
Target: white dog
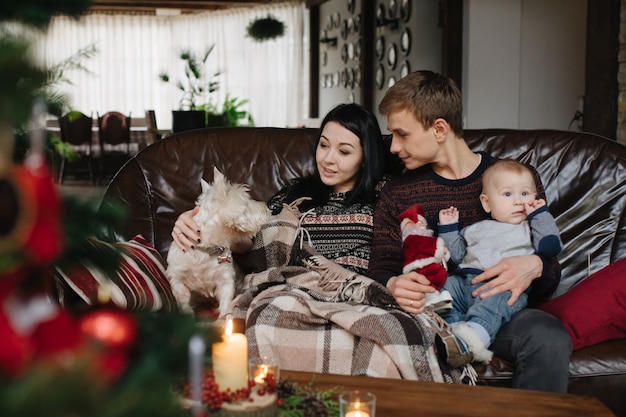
[227,214]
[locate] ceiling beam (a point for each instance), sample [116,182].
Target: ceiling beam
[184,5]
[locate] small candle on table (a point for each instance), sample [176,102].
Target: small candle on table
[357,414]
[230,360]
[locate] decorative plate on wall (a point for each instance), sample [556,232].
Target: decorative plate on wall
[380,15]
[405,69]
[405,41]
[357,49]
[350,50]
[392,56]
[391,82]
[336,20]
[380,47]
[345,30]
[356,25]
[351,6]
[405,10]
[356,75]
[393,8]
[351,98]
[380,76]
[344,53]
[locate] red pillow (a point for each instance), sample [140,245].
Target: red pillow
[594,310]
[139,283]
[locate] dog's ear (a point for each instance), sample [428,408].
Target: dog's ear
[205,185]
[217,175]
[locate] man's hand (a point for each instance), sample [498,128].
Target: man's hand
[513,274]
[409,291]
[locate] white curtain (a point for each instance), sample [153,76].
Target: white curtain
[134,49]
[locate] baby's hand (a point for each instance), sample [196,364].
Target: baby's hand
[534,205]
[449,215]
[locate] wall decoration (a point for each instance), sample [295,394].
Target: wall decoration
[405,41]
[350,50]
[356,25]
[405,10]
[265,28]
[392,56]
[393,9]
[380,47]
[380,76]
[391,82]
[405,69]
[356,75]
[351,6]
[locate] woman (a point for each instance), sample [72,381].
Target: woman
[338,213]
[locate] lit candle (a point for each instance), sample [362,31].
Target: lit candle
[230,360]
[357,414]
[260,377]
[357,404]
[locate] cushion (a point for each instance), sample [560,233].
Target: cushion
[139,283]
[594,310]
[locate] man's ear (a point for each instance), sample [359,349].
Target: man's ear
[441,128]
[484,200]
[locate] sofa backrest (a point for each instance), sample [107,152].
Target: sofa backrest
[584,176]
[163,180]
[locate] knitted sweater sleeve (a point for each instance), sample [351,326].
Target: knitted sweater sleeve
[387,253]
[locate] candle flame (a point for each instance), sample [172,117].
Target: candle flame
[229,328]
[357,405]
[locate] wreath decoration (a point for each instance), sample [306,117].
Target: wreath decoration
[265,28]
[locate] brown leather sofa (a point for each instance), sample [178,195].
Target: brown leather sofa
[584,175]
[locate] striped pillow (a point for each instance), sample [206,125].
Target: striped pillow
[139,282]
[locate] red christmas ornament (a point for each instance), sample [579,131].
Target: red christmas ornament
[115,329]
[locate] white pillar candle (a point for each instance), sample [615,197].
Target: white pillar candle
[230,360]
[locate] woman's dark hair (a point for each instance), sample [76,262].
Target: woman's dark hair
[362,122]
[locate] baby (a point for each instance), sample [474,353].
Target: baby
[520,224]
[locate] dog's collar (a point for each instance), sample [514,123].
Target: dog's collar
[223,254]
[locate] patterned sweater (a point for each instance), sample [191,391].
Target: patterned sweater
[339,232]
[433,193]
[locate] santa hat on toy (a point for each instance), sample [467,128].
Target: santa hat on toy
[413,214]
[419,250]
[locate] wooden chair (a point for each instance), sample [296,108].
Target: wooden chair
[75,128]
[114,138]
[153,134]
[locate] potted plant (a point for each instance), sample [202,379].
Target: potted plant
[196,85]
[231,113]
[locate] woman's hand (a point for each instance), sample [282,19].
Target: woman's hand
[186,232]
[513,274]
[409,291]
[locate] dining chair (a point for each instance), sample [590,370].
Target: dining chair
[153,133]
[114,138]
[76,129]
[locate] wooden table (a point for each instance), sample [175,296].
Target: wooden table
[399,398]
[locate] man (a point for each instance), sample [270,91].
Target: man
[424,116]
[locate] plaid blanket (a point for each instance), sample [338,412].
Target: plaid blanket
[316,316]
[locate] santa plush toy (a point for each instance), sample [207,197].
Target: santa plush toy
[425,254]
